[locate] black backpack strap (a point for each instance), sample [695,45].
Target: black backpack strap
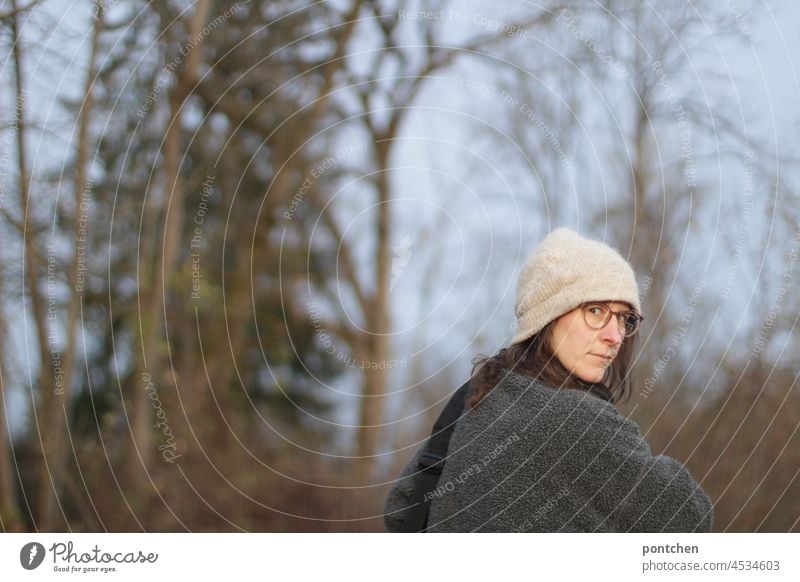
[431,462]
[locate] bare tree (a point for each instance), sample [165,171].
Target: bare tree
[55,405]
[394,97]
[31,249]
[9,510]
[149,359]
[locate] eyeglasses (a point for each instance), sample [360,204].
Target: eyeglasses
[597,316]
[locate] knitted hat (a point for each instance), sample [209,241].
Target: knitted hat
[564,271]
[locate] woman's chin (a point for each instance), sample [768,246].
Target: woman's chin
[591,376]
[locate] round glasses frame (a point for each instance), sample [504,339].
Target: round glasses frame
[628,322]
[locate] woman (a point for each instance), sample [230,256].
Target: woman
[540,446]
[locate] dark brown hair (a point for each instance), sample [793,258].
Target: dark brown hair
[534,357]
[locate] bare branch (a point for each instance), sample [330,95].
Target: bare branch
[16,11]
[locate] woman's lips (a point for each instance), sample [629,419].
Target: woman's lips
[607,359]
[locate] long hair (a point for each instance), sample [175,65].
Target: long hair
[534,357]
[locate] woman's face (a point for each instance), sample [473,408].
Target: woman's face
[584,351]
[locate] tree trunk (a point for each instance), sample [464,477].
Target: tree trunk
[31,271]
[375,375]
[9,510]
[148,364]
[55,410]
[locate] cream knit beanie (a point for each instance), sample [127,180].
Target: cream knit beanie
[564,271]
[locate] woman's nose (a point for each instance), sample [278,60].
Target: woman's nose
[611,333]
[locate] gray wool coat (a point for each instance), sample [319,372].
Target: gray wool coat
[531,458]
